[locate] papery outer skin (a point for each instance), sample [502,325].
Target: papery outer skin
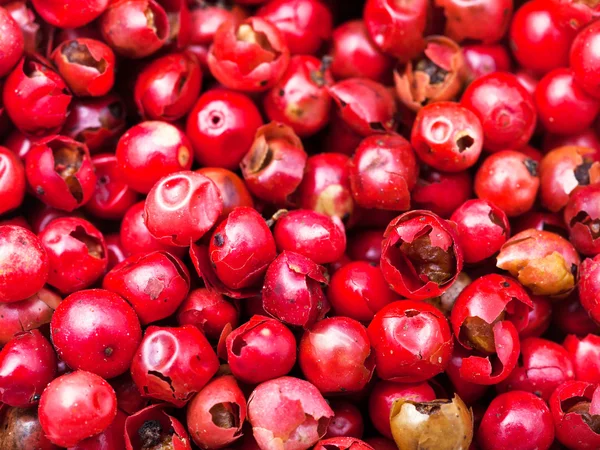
[157,412]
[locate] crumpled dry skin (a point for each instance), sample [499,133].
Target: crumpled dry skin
[288,414]
[542,261]
[446,301]
[342,443]
[436,425]
[437,76]
[172,431]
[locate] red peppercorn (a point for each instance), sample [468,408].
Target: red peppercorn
[582,216]
[76,251]
[69,13]
[539,317]
[441,193]
[584,60]
[505,108]
[589,287]
[587,138]
[12,181]
[11,41]
[347,420]
[342,443]
[221,127]
[570,317]
[172,364]
[470,392]
[420,257]
[24,264]
[482,60]
[447,136]
[112,436]
[251,55]
[585,354]
[152,426]
[168,87]
[234,192]
[76,406]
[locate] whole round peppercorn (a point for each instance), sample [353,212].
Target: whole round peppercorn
[11,41]
[441,193]
[584,60]
[347,420]
[585,354]
[12,180]
[582,218]
[484,59]
[69,13]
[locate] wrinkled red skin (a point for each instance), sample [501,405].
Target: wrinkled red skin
[129,398]
[365,245]
[383,171]
[12,42]
[155,284]
[440,192]
[354,55]
[28,314]
[241,248]
[589,287]
[261,349]
[220,400]
[293,276]
[358,290]
[168,87]
[304,24]
[347,420]
[571,429]
[85,78]
[172,364]
[18,143]
[570,317]
[335,355]
[447,136]
[112,198]
[587,138]
[541,221]
[169,425]
[185,203]
[325,186]
[76,406]
[505,108]
[482,228]
[136,238]
[366,106]
[246,65]
[584,60]
[500,173]
[27,365]
[562,106]
[482,59]
[539,317]
[314,235]
[397,29]
[581,217]
[44,163]
[562,171]
[125,28]
[383,395]
[540,39]
[234,192]
[209,312]
[69,13]
[12,180]
[585,355]
[103,342]
[398,269]
[516,420]
[36,98]
[469,392]
[24,264]
[150,151]
[274,166]
[288,413]
[414,357]
[111,438]
[96,122]
[22,431]
[300,99]
[543,366]
[76,253]
[488,298]
[482,20]
[180,21]
[342,443]
[221,128]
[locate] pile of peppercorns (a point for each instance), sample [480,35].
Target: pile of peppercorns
[296,224]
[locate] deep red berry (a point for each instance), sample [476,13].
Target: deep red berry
[27,365]
[482,20]
[505,108]
[585,354]
[76,253]
[570,317]
[12,180]
[585,59]
[11,41]
[234,192]
[539,317]
[69,13]
[221,127]
[589,287]
[420,256]
[442,192]
[112,437]
[76,406]
[114,249]
[97,331]
[261,349]
[347,420]
[582,218]
[447,136]
[482,60]
[172,364]
[24,264]
[153,283]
